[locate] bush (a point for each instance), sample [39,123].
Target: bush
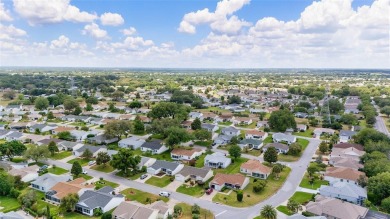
[259,186]
[106,215]
[97,212]
[240,196]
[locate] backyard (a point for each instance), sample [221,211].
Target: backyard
[8,204]
[234,167]
[301,197]
[251,198]
[159,182]
[142,197]
[305,183]
[196,190]
[187,212]
[292,158]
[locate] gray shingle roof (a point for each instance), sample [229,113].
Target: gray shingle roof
[153,145]
[99,198]
[164,164]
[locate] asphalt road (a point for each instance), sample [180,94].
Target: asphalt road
[380,125]
[219,210]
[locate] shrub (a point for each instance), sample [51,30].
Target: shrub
[240,196]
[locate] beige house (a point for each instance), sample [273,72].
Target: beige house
[255,168]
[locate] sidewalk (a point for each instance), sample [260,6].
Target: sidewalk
[312,191]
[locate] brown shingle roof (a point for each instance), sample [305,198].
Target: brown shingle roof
[234,179]
[348,145]
[185,152]
[65,188]
[255,165]
[255,132]
[343,173]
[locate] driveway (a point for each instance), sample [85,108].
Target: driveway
[143,180]
[173,185]
[209,197]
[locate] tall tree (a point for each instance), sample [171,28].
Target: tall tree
[37,153]
[52,147]
[138,125]
[379,186]
[281,120]
[271,155]
[386,110]
[70,104]
[41,103]
[169,110]
[117,128]
[323,147]
[12,148]
[268,212]
[69,202]
[103,158]
[124,160]
[202,135]
[76,169]
[235,151]
[293,205]
[135,104]
[87,154]
[196,124]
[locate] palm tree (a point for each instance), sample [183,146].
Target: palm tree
[268,212]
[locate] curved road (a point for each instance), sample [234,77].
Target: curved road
[222,211]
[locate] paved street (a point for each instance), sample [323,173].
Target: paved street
[222,211]
[380,124]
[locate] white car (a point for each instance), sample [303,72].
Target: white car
[165,194]
[92,162]
[85,172]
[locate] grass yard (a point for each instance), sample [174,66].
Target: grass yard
[250,126]
[307,133]
[159,182]
[203,143]
[292,158]
[61,155]
[196,191]
[18,159]
[251,198]
[284,210]
[252,152]
[106,169]
[142,197]
[233,167]
[113,146]
[102,183]
[317,183]
[302,197]
[157,136]
[268,139]
[82,161]
[8,204]
[57,170]
[187,212]
[136,176]
[225,123]
[164,156]
[86,177]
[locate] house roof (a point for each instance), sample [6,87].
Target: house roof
[346,162]
[153,145]
[63,129]
[251,141]
[24,171]
[48,140]
[230,129]
[132,210]
[344,189]
[348,145]
[343,173]
[347,133]
[185,152]
[234,179]
[351,151]
[99,198]
[217,157]
[255,132]
[208,126]
[188,170]
[279,146]
[335,208]
[164,164]
[284,137]
[256,165]
[93,149]
[300,216]
[62,189]
[68,144]
[49,180]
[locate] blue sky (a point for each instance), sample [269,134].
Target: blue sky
[195,33]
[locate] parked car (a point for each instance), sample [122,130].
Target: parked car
[144,176]
[165,194]
[44,167]
[92,162]
[209,191]
[84,171]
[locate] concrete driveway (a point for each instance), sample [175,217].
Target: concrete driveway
[143,180]
[173,185]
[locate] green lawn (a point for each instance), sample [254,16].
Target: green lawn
[164,156]
[284,210]
[57,170]
[196,191]
[250,126]
[233,167]
[102,183]
[157,136]
[307,133]
[106,169]
[113,146]
[317,182]
[86,177]
[61,155]
[8,204]
[18,159]
[225,123]
[302,197]
[82,161]
[252,152]
[141,197]
[292,158]
[159,182]
[203,143]
[268,139]
[136,176]
[251,198]
[200,161]
[187,212]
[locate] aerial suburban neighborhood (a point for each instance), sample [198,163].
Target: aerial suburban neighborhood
[166,145]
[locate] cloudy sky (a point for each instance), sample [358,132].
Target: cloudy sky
[195,33]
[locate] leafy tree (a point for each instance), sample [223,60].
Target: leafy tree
[159,126]
[293,205]
[379,186]
[76,169]
[117,95]
[89,107]
[117,128]
[103,158]
[271,155]
[234,140]
[196,124]
[323,147]
[169,110]
[202,135]
[240,195]
[70,104]
[381,146]
[87,154]
[9,95]
[195,209]
[386,110]
[135,104]
[375,166]
[92,100]
[50,115]
[106,215]
[234,100]
[69,202]
[65,136]
[177,211]
[281,120]
[311,170]
[138,126]
[259,186]
[235,151]
[12,148]
[262,115]
[385,204]
[97,212]
[349,119]
[48,216]
[276,170]
[7,182]
[176,135]
[268,212]
[295,149]
[335,106]
[28,198]
[362,181]
[37,153]
[124,160]
[41,103]
[369,134]
[52,147]
[77,110]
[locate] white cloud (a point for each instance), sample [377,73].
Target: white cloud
[129,31]
[5,15]
[50,11]
[94,31]
[111,19]
[9,32]
[220,20]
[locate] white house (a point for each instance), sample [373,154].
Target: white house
[254,134]
[281,137]
[132,142]
[255,168]
[345,191]
[346,136]
[210,127]
[230,131]
[194,115]
[217,160]
[169,168]
[195,174]
[45,182]
[155,147]
[184,154]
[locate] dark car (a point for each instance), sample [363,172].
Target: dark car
[144,176]
[209,191]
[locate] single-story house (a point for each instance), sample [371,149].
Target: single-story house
[346,136]
[319,131]
[101,139]
[345,191]
[104,198]
[335,208]
[163,209]
[42,128]
[210,127]
[255,168]
[261,124]
[184,154]
[46,181]
[230,131]
[131,142]
[169,168]
[233,181]
[134,210]
[255,134]
[251,143]
[146,161]
[217,160]
[94,149]
[62,129]
[281,137]
[342,174]
[155,147]
[47,141]
[69,145]
[194,115]
[27,173]
[223,139]
[195,174]
[301,127]
[301,115]
[281,148]
[242,121]
[62,189]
